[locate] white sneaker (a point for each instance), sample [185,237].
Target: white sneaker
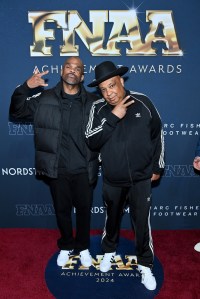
[197,247]
[63,257]
[106,261]
[85,258]
[148,279]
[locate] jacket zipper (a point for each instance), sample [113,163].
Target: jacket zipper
[127,158]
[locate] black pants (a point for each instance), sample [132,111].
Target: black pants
[70,191]
[139,200]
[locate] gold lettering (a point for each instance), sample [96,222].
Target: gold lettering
[96,262]
[92,41]
[71,262]
[132,261]
[120,265]
[162,20]
[39,21]
[161,30]
[127,18]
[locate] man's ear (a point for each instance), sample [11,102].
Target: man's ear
[82,78]
[122,81]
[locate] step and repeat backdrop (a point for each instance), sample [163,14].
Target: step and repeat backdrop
[158,40]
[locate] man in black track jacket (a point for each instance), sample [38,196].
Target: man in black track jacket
[126,128]
[62,157]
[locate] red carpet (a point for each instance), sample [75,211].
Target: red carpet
[25,252]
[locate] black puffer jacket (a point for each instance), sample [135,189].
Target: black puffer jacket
[44,109]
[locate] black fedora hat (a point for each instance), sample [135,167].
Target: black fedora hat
[107,70]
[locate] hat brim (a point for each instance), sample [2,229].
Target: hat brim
[119,72]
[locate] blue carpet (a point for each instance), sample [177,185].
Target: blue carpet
[121,282]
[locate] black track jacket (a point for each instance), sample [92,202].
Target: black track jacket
[132,148]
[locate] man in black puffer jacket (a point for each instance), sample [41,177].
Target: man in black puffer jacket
[62,157]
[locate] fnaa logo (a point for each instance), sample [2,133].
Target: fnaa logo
[70,22]
[179,171]
[20,129]
[122,281]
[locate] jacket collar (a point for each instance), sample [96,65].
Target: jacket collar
[83,93]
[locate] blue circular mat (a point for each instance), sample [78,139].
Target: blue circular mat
[123,281]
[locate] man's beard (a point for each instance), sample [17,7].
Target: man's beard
[71,81]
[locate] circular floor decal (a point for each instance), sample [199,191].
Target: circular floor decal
[123,281]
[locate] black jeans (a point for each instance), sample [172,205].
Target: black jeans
[70,191]
[139,200]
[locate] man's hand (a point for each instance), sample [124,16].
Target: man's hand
[155,177]
[36,80]
[121,108]
[196,163]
